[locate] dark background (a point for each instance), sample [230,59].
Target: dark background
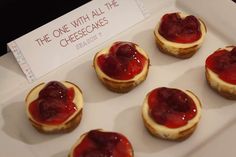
[19,17]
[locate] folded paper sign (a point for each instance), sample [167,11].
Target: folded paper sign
[73,34]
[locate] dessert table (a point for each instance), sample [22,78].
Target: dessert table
[214,136]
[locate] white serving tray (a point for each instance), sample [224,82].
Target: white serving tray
[122,112]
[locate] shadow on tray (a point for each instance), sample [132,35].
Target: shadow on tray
[17,126]
[85,77]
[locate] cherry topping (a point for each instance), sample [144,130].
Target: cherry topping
[49,107]
[104,139]
[123,61]
[126,52]
[103,144]
[54,104]
[223,63]
[54,90]
[179,30]
[171,107]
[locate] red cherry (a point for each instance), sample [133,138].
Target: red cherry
[233,54]
[53,89]
[159,113]
[176,29]
[178,102]
[104,139]
[122,62]
[190,24]
[126,51]
[229,74]
[223,63]
[54,104]
[49,108]
[174,120]
[214,61]
[111,65]
[171,107]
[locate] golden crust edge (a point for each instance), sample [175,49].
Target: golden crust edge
[181,135]
[182,53]
[219,88]
[117,85]
[68,126]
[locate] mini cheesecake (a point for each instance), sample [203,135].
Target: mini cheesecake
[55,107]
[102,144]
[121,66]
[171,114]
[179,34]
[220,71]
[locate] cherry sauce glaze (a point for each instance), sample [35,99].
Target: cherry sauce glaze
[223,63]
[54,104]
[180,30]
[123,61]
[171,107]
[103,144]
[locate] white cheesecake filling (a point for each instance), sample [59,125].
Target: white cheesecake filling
[105,76]
[219,84]
[171,133]
[174,46]
[33,95]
